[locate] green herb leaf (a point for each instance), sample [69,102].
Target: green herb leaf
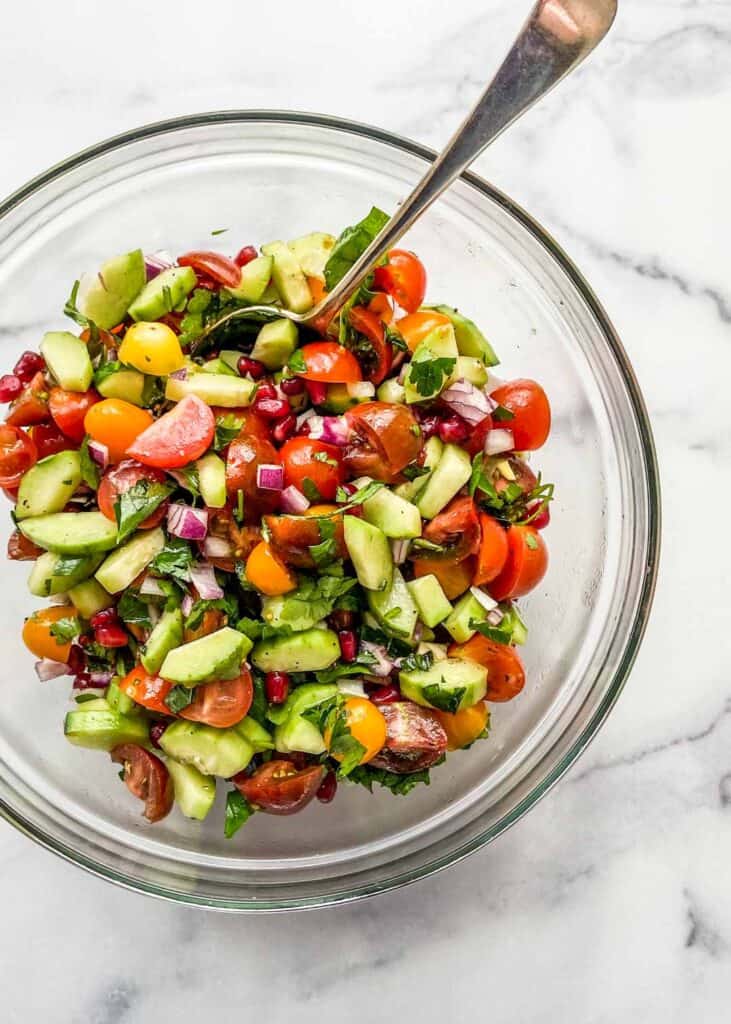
[219,231]
[106,370]
[68,565]
[310,491]
[428,376]
[228,604]
[132,507]
[90,473]
[393,336]
[228,428]
[174,560]
[313,600]
[501,634]
[297,362]
[179,697]
[399,785]
[442,698]
[418,662]
[133,610]
[65,629]
[325,551]
[71,310]
[238,812]
[351,244]
[259,705]
[330,717]
[502,415]
[413,472]
[190,480]
[362,665]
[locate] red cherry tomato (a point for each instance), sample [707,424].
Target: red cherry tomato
[147,778]
[415,738]
[314,461]
[505,672]
[177,438]
[49,440]
[245,454]
[526,564]
[456,528]
[69,408]
[222,703]
[329,363]
[386,439]
[220,268]
[17,454]
[291,538]
[121,478]
[279,788]
[403,278]
[531,411]
[377,362]
[149,691]
[31,406]
[476,441]
[20,549]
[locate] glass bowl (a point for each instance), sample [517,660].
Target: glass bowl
[265,175]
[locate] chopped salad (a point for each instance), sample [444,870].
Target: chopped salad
[274,558]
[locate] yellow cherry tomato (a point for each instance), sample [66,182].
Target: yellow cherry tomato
[463,727]
[265,571]
[116,424]
[152,348]
[37,635]
[367,725]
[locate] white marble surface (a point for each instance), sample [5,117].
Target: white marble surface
[612,900]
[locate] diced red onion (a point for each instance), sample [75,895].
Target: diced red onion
[101,678]
[399,550]
[293,501]
[156,262]
[419,631]
[47,669]
[352,686]
[204,580]
[111,355]
[270,477]
[384,665]
[186,605]
[304,417]
[467,401]
[495,617]
[330,429]
[498,441]
[493,383]
[402,373]
[217,547]
[186,522]
[99,454]
[150,587]
[179,374]
[487,602]
[361,389]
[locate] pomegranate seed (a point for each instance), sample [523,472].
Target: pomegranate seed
[429,426]
[111,636]
[328,788]
[84,640]
[28,365]
[276,685]
[156,731]
[272,408]
[385,695]
[266,390]
[203,281]
[543,518]
[350,490]
[245,255]
[76,659]
[292,386]
[453,430]
[252,367]
[348,644]
[285,428]
[10,387]
[106,617]
[82,681]
[356,510]
[341,619]
[317,391]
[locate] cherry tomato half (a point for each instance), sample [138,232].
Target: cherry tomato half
[222,703]
[116,424]
[454,579]
[279,788]
[69,409]
[526,564]
[17,454]
[147,778]
[457,529]
[493,553]
[320,463]
[386,438]
[377,362]
[291,538]
[20,549]
[330,363]
[149,691]
[366,724]
[220,268]
[267,573]
[37,635]
[531,411]
[414,327]
[415,738]
[31,406]
[244,456]
[119,479]
[177,438]
[49,440]
[505,672]
[403,278]
[465,726]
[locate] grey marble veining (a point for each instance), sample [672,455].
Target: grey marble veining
[611,901]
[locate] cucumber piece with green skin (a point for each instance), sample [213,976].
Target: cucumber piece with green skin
[255,277]
[312,252]
[44,581]
[126,563]
[215,656]
[103,729]
[451,474]
[392,392]
[71,533]
[89,597]
[369,552]
[338,400]
[231,358]
[308,651]
[295,733]
[430,600]
[219,366]
[119,701]
[394,516]
[106,296]
[167,633]
[222,752]
[288,278]
[47,486]
[410,490]
[213,389]
[394,608]
[472,370]
[212,480]
[275,343]
[438,344]
[465,610]
[163,293]
[470,339]
[67,357]
[451,685]
[255,734]
[128,385]
[195,793]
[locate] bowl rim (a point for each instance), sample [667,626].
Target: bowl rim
[652,480]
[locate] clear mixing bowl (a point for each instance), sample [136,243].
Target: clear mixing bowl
[262,176]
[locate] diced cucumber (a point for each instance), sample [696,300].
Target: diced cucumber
[338,400]
[215,656]
[275,343]
[101,729]
[392,515]
[369,552]
[166,634]
[129,385]
[450,685]
[432,454]
[231,358]
[438,344]
[308,651]
[126,563]
[222,752]
[430,599]
[44,581]
[288,278]
[67,357]
[465,610]
[470,339]
[254,279]
[312,252]
[212,388]
[163,293]
[88,597]
[119,701]
[219,366]
[394,608]
[293,732]
[48,485]
[255,734]
[451,474]
[471,369]
[212,480]
[71,533]
[195,792]
[391,391]
[105,297]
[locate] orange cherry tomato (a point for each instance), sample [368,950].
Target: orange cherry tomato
[31,405]
[367,725]
[37,635]
[463,727]
[304,459]
[265,571]
[222,703]
[493,553]
[505,672]
[376,360]
[414,327]
[382,306]
[526,564]
[177,438]
[454,579]
[329,362]
[116,424]
[404,278]
[318,291]
[531,411]
[69,409]
[18,454]
[219,268]
[149,691]
[211,621]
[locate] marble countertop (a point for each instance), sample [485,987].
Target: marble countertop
[611,901]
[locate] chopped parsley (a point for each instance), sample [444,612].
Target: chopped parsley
[428,376]
[63,630]
[297,362]
[174,560]
[89,470]
[132,507]
[179,697]
[228,428]
[351,244]
[238,812]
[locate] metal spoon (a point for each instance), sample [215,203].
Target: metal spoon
[555,39]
